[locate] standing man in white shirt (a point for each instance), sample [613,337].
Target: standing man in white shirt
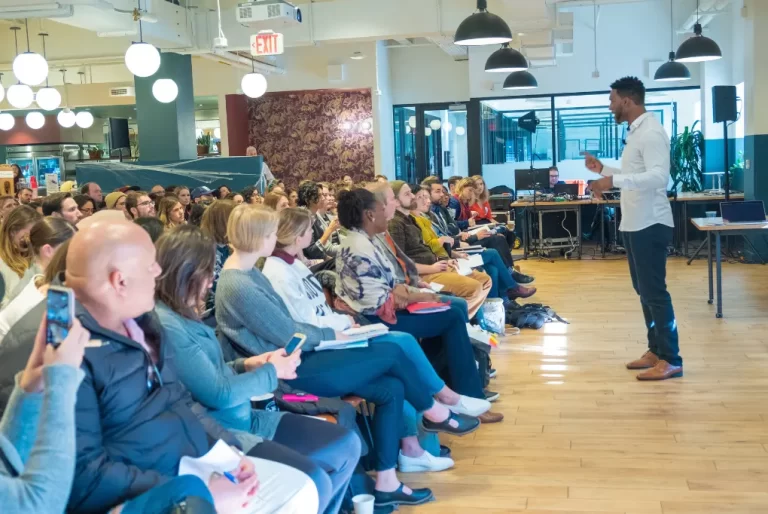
[266,173]
[646,223]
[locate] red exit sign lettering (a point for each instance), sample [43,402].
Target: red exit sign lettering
[266,43]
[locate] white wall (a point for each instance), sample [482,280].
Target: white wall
[383,122]
[426,74]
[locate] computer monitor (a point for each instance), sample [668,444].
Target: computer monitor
[567,189]
[532,180]
[743,212]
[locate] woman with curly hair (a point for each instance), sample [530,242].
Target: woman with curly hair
[15,255]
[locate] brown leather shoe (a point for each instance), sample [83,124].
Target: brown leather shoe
[648,360]
[491,417]
[661,371]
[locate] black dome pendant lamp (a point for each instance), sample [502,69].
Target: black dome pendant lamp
[520,80]
[698,48]
[482,28]
[672,71]
[506,60]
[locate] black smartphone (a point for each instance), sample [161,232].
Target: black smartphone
[59,314]
[296,342]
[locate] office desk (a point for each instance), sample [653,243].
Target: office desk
[714,227]
[543,207]
[686,198]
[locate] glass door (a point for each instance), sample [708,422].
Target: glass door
[405,144]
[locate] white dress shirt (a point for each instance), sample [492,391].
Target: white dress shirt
[644,176]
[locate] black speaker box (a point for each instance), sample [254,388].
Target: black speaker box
[724,103]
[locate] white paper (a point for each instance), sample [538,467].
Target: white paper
[51,183]
[476,261]
[466,265]
[376,327]
[434,286]
[219,459]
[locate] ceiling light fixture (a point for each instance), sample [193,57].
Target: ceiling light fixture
[460,131]
[165,90]
[482,28]
[66,117]
[447,126]
[84,119]
[427,131]
[435,124]
[29,67]
[7,121]
[698,48]
[20,96]
[142,59]
[35,120]
[506,60]
[357,56]
[254,85]
[48,98]
[672,71]
[520,80]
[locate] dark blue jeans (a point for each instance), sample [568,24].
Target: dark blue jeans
[501,277]
[163,498]
[647,256]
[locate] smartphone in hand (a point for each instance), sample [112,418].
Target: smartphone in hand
[59,314]
[296,342]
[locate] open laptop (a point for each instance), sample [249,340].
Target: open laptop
[743,213]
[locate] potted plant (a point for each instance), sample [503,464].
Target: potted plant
[686,151]
[203,144]
[94,153]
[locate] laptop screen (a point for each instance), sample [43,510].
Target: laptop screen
[741,212]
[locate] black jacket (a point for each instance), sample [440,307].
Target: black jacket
[132,429]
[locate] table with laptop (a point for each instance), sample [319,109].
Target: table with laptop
[737,218]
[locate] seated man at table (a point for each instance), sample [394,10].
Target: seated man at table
[554,179]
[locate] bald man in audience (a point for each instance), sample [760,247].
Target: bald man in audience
[134,419]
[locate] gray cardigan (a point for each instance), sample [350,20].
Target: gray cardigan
[253,319]
[224,389]
[37,444]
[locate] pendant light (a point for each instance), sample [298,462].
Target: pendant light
[35,120]
[30,67]
[672,71]
[7,121]
[254,85]
[165,90]
[506,60]
[698,48]
[482,28]
[520,80]
[66,117]
[142,59]
[48,98]
[84,119]
[19,95]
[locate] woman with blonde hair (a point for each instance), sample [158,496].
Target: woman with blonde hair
[15,255]
[170,212]
[467,196]
[276,201]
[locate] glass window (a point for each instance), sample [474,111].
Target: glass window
[405,143]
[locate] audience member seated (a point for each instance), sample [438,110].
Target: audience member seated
[214,225]
[406,234]
[203,195]
[327,452]
[293,198]
[221,192]
[235,197]
[158,190]
[251,196]
[85,205]
[45,236]
[253,320]
[502,283]
[93,190]
[15,256]
[134,419]
[554,179]
[7,204]
[116,201]
[185,198]
[196,215]
[62,205]
[368,286]
[304,297]
[24,195]
[325,239]
[276,201]
[482,207]
[153,226]
[170,212]
[138,204]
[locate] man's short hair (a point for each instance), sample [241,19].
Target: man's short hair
[554,168]
[430,180]
[454,180]
[630,87]
[132,201]
[22,189]
[86,187]
[52,203]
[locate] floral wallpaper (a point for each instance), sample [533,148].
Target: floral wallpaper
[317,135]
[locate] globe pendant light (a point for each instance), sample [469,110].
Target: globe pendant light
[165,90]
[520,80]
[254,84]
[7,121]
[482,28]
[35,120]
[698,48]
[20,96]
[506,60]
[66,118]
[30,67]
[48,98]
[84,119]
[142,59]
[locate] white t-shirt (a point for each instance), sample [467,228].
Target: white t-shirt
[303,294]
[22,304]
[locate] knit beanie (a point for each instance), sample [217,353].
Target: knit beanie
[112,198]
[397,185]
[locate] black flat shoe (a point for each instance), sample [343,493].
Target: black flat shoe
[522,278]
[398,497]
[445,451]
[466,425]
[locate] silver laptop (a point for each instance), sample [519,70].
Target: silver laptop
[743,213]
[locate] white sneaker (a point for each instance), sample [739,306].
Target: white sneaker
[470,406]
[426,463]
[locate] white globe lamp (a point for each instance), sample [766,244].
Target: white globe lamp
[84,119]
[30,68]
[407,129]
[460,131]
[20,96]
[254,85]
[412,122]
[217,133]
[427,131]
[35,120]
[48,98]
[66,118]
[7,121]
[142,59]
[165,90]
[447,126]
[435,124]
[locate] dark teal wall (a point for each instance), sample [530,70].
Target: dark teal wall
[713,161]
[756,184]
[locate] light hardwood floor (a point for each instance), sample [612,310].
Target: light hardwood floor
[581,434]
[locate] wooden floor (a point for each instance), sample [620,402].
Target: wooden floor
[583,435]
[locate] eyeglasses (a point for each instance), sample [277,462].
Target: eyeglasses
[143,204]
[87,211]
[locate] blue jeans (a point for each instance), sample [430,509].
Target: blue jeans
[415,354]
[502,280]
[647,256]
[412,428]
[163,498]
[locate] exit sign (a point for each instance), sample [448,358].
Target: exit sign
[266,43]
